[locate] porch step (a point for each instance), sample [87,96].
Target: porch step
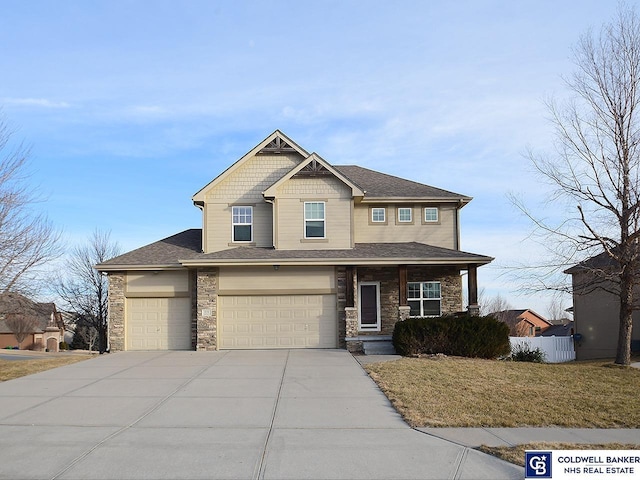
[378,347]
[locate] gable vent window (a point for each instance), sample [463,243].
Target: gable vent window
[431,214]
[378,215]
[242,219]
[404,215]
[314,220]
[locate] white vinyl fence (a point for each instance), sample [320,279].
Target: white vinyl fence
[556,349]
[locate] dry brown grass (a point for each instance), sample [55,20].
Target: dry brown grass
[462,392]
[10,369]
[516,454]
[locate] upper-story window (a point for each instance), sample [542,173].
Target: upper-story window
[378,215]
[242,222]
[424,299]
[431,214]
[405,215]
[314,220]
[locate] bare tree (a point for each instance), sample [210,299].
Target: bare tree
[84,289]
[556,310]
[495,305]
[27,239]
[596,166]
[21,325]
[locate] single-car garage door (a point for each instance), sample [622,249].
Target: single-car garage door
[158,323]
[277,321]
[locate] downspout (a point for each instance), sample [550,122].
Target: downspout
[201,207]
[457,232]
[273,219]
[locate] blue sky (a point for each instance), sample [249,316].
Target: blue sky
[130,107]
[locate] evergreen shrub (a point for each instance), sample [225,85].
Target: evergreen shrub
[464,336]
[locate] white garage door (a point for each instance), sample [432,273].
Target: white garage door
[158,324]
[277,321]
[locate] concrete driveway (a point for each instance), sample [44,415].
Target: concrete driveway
[219,415]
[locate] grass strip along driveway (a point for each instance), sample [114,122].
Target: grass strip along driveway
[462,392]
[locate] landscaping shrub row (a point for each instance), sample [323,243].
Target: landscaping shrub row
[465,336]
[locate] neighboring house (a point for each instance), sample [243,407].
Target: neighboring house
[294,253]
[523,323]
[596,310]
[49,329]
[558,330]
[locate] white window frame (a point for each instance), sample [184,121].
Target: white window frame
[323,219]
[422,298]
[400,209]
[240,223]
[368,327]
[431,209]
[375,210]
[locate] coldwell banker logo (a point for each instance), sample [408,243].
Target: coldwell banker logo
[537,464]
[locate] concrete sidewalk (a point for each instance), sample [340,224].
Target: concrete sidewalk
[298,414]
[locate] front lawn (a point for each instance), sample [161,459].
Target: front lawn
[10,369]
[463,392]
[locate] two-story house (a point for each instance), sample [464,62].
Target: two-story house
[294,252]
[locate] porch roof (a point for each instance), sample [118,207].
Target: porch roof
[185,250]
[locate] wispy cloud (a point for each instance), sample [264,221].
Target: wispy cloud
[33,102]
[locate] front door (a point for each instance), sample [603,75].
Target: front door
[369,306]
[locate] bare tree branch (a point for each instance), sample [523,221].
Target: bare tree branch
[27,239]
[596,169]
[83,289]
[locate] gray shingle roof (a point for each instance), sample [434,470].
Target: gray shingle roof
[381,185]
[187,247]
[362,251]
[183,245]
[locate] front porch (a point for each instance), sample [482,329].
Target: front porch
[372,299]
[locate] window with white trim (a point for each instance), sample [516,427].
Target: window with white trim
[314,220]
[404,215]
[242,224]
[378,215]
[431,214]
[424,299]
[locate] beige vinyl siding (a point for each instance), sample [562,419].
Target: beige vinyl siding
[166,283]
[244,186]
[290,213]
[219,234]
[441,234]
[263,280]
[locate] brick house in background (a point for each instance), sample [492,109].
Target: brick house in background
[523,323]
[294,252]
[49,329]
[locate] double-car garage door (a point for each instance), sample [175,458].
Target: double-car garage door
[277,321]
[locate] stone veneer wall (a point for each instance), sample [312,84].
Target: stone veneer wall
[193,279]
[116,311]
[206,298]
[450,286]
